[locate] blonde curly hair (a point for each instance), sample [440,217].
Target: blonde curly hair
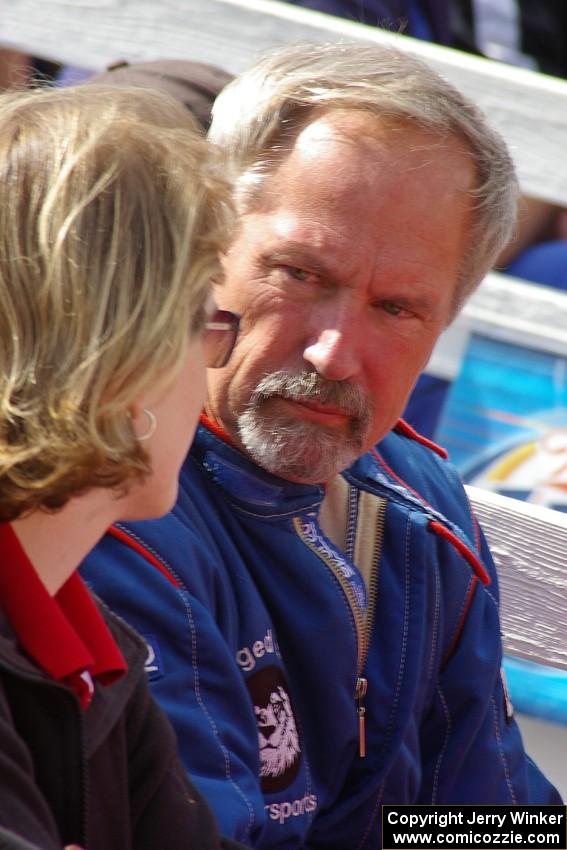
[112,216]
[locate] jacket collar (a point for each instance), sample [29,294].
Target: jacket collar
[257,491]
[65,635]
[244,482]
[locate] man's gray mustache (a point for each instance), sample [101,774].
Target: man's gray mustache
[310,386]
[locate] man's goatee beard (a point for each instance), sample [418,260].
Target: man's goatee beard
[303,451]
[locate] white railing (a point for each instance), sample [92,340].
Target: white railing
[529,545]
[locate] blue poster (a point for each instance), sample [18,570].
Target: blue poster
[505,421]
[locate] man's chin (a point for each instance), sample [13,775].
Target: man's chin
[306,453]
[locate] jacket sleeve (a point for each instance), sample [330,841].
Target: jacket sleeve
[191,670]
[10,841]
[23,808]
[471,746]
[167,810]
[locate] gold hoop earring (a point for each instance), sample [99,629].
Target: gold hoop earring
[152,425]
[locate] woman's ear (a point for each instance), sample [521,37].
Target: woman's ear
[144,422]
[218,280]
[135,409]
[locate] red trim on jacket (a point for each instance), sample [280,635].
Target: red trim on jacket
[462,549]
[65,634]
[391,472]
[146,553]
[217,429]
[404,428]
[462,620]
[439,528]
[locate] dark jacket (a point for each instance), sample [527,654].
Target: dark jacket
[107,778]
[393,15]
[10,841]
[540,26]
[541,33]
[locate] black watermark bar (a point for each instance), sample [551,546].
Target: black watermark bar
[474,827]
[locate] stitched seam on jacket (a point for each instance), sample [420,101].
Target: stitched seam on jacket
[150,549]
[373,816]
[393,710]
[492,598]
[501,751]
[443,750]
[183,592]
[436,617]
[460,621]
[213,725]
[291,513]
[238,507]
[429,510]
[398,480]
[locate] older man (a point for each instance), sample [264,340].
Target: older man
[320,607]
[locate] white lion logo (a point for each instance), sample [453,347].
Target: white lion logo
[279,741]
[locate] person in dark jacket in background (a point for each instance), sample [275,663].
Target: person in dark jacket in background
[194,84]
[111,218]
[428,19]
[520,32]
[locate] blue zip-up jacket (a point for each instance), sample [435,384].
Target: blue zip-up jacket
[304,694]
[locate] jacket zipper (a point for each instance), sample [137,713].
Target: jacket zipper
[363,624]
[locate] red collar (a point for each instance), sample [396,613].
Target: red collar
[218,430]
[65,634]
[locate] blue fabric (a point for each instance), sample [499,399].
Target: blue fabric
[419,23]
[545,263]
[538,690]
[260,635]
[427,19]
[426,403]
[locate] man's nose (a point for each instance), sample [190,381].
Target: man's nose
[334,352]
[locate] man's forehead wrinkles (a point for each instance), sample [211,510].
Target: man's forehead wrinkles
[305,232]
[296,252]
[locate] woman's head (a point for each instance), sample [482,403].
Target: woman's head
[111,220]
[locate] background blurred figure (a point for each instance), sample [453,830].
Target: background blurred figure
[18,69]
[194,84]
[428,19]
[111,219]
[520,32]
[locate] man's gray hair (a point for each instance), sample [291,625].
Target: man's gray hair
[258,116]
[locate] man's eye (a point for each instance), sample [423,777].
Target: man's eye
[391,308]
[296,273]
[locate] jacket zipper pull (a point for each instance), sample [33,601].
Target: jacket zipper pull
[360,693]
